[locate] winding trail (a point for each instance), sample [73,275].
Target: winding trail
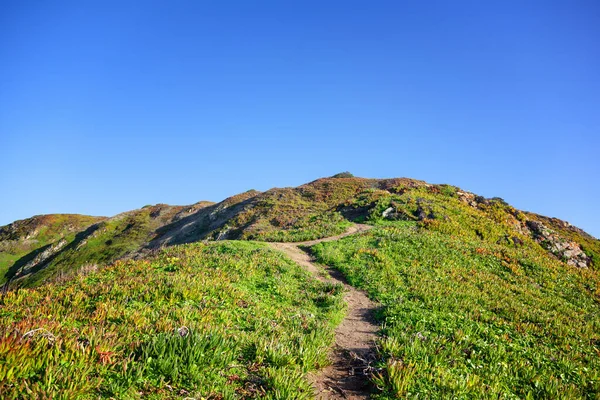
[348,375]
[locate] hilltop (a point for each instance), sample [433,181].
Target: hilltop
[472,297]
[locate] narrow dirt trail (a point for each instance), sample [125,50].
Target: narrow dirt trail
[347,376]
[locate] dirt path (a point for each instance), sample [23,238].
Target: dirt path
[353,353]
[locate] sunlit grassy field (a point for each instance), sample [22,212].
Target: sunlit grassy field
[224,320]
[464,317]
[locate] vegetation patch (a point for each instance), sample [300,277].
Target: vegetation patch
[24,237]
[223,320]
[308,212]
[465,317]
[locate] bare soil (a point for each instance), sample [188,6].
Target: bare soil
[354,351]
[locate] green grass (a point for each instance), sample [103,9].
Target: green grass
[303,213]
[111,240]
[6,260]
[100,245]
[303,228]
[42,230]
[307,212]
[285,215]
[467,318]
[223,320]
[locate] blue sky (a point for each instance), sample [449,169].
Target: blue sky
[107,106]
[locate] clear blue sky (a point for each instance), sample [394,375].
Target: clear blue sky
[107,106]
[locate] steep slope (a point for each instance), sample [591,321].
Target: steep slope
[57,246]
[26,242]
[310,211]
[449,210]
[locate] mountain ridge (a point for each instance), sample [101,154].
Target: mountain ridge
[41,247]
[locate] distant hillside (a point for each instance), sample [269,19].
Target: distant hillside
[24,244]
[56,246]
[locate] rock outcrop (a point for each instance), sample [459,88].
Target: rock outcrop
[566,250]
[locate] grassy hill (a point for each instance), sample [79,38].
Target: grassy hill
[22,241]
[478,299]
[473,305]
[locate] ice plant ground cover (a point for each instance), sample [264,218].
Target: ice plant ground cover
[230,319]
[466,318]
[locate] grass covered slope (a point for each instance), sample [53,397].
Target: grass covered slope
[78,242]
[474,304]
[228,320]
[103,243]
[310,211]
[30,237]
[306,212]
